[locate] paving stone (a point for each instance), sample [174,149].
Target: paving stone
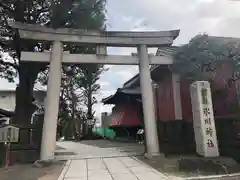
[95,164]
[119,170]
[97,149]
[127,176]
[130,162]
[104,160]
[115,166]
[85,178]
[141,169]
[76,174]
[97,173]
[77,169]
[150,176]
[108,177]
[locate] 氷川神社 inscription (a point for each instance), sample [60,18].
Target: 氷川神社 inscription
[203,119]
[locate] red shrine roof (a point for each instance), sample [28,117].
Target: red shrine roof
[123,95]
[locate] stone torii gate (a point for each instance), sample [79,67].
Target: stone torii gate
[141,40]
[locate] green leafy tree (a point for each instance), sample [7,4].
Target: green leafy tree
[55,13]
[79,87]
[73,76]
[90,87]
[71,98]
[27,12]
[202,56]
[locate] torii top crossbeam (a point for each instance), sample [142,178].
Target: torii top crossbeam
[108,38]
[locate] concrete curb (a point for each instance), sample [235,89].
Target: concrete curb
[64,170]
[212,176]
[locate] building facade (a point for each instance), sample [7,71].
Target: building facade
[172,94]
[7,103]
[8,98]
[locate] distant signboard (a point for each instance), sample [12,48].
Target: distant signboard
[203,119]
[9,133]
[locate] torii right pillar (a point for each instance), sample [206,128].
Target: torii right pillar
[148,103]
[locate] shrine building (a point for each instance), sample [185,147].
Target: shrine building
[172,98]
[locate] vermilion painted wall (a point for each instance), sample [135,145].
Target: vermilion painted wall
[186,100]
[125,115]
[164,99]
[222,105]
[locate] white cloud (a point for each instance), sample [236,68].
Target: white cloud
[127,19]
[191,16]
[104,84]
[128,73]
[215,17]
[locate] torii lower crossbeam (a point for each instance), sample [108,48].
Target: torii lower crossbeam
[93,59]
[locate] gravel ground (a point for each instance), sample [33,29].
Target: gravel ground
[28,172]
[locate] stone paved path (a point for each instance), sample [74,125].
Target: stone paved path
[121,168]
[97,149]
[109,160]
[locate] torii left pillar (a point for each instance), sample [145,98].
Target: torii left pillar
[52,102]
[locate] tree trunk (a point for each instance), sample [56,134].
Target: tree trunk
[27,76]
[89,111]
[24,98]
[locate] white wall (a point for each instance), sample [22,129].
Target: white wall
[7,99]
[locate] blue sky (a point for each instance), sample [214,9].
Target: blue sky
[215,17]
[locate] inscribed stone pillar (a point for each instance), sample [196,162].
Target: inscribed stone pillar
[203,119]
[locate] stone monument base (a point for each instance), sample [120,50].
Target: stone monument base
[153,156]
